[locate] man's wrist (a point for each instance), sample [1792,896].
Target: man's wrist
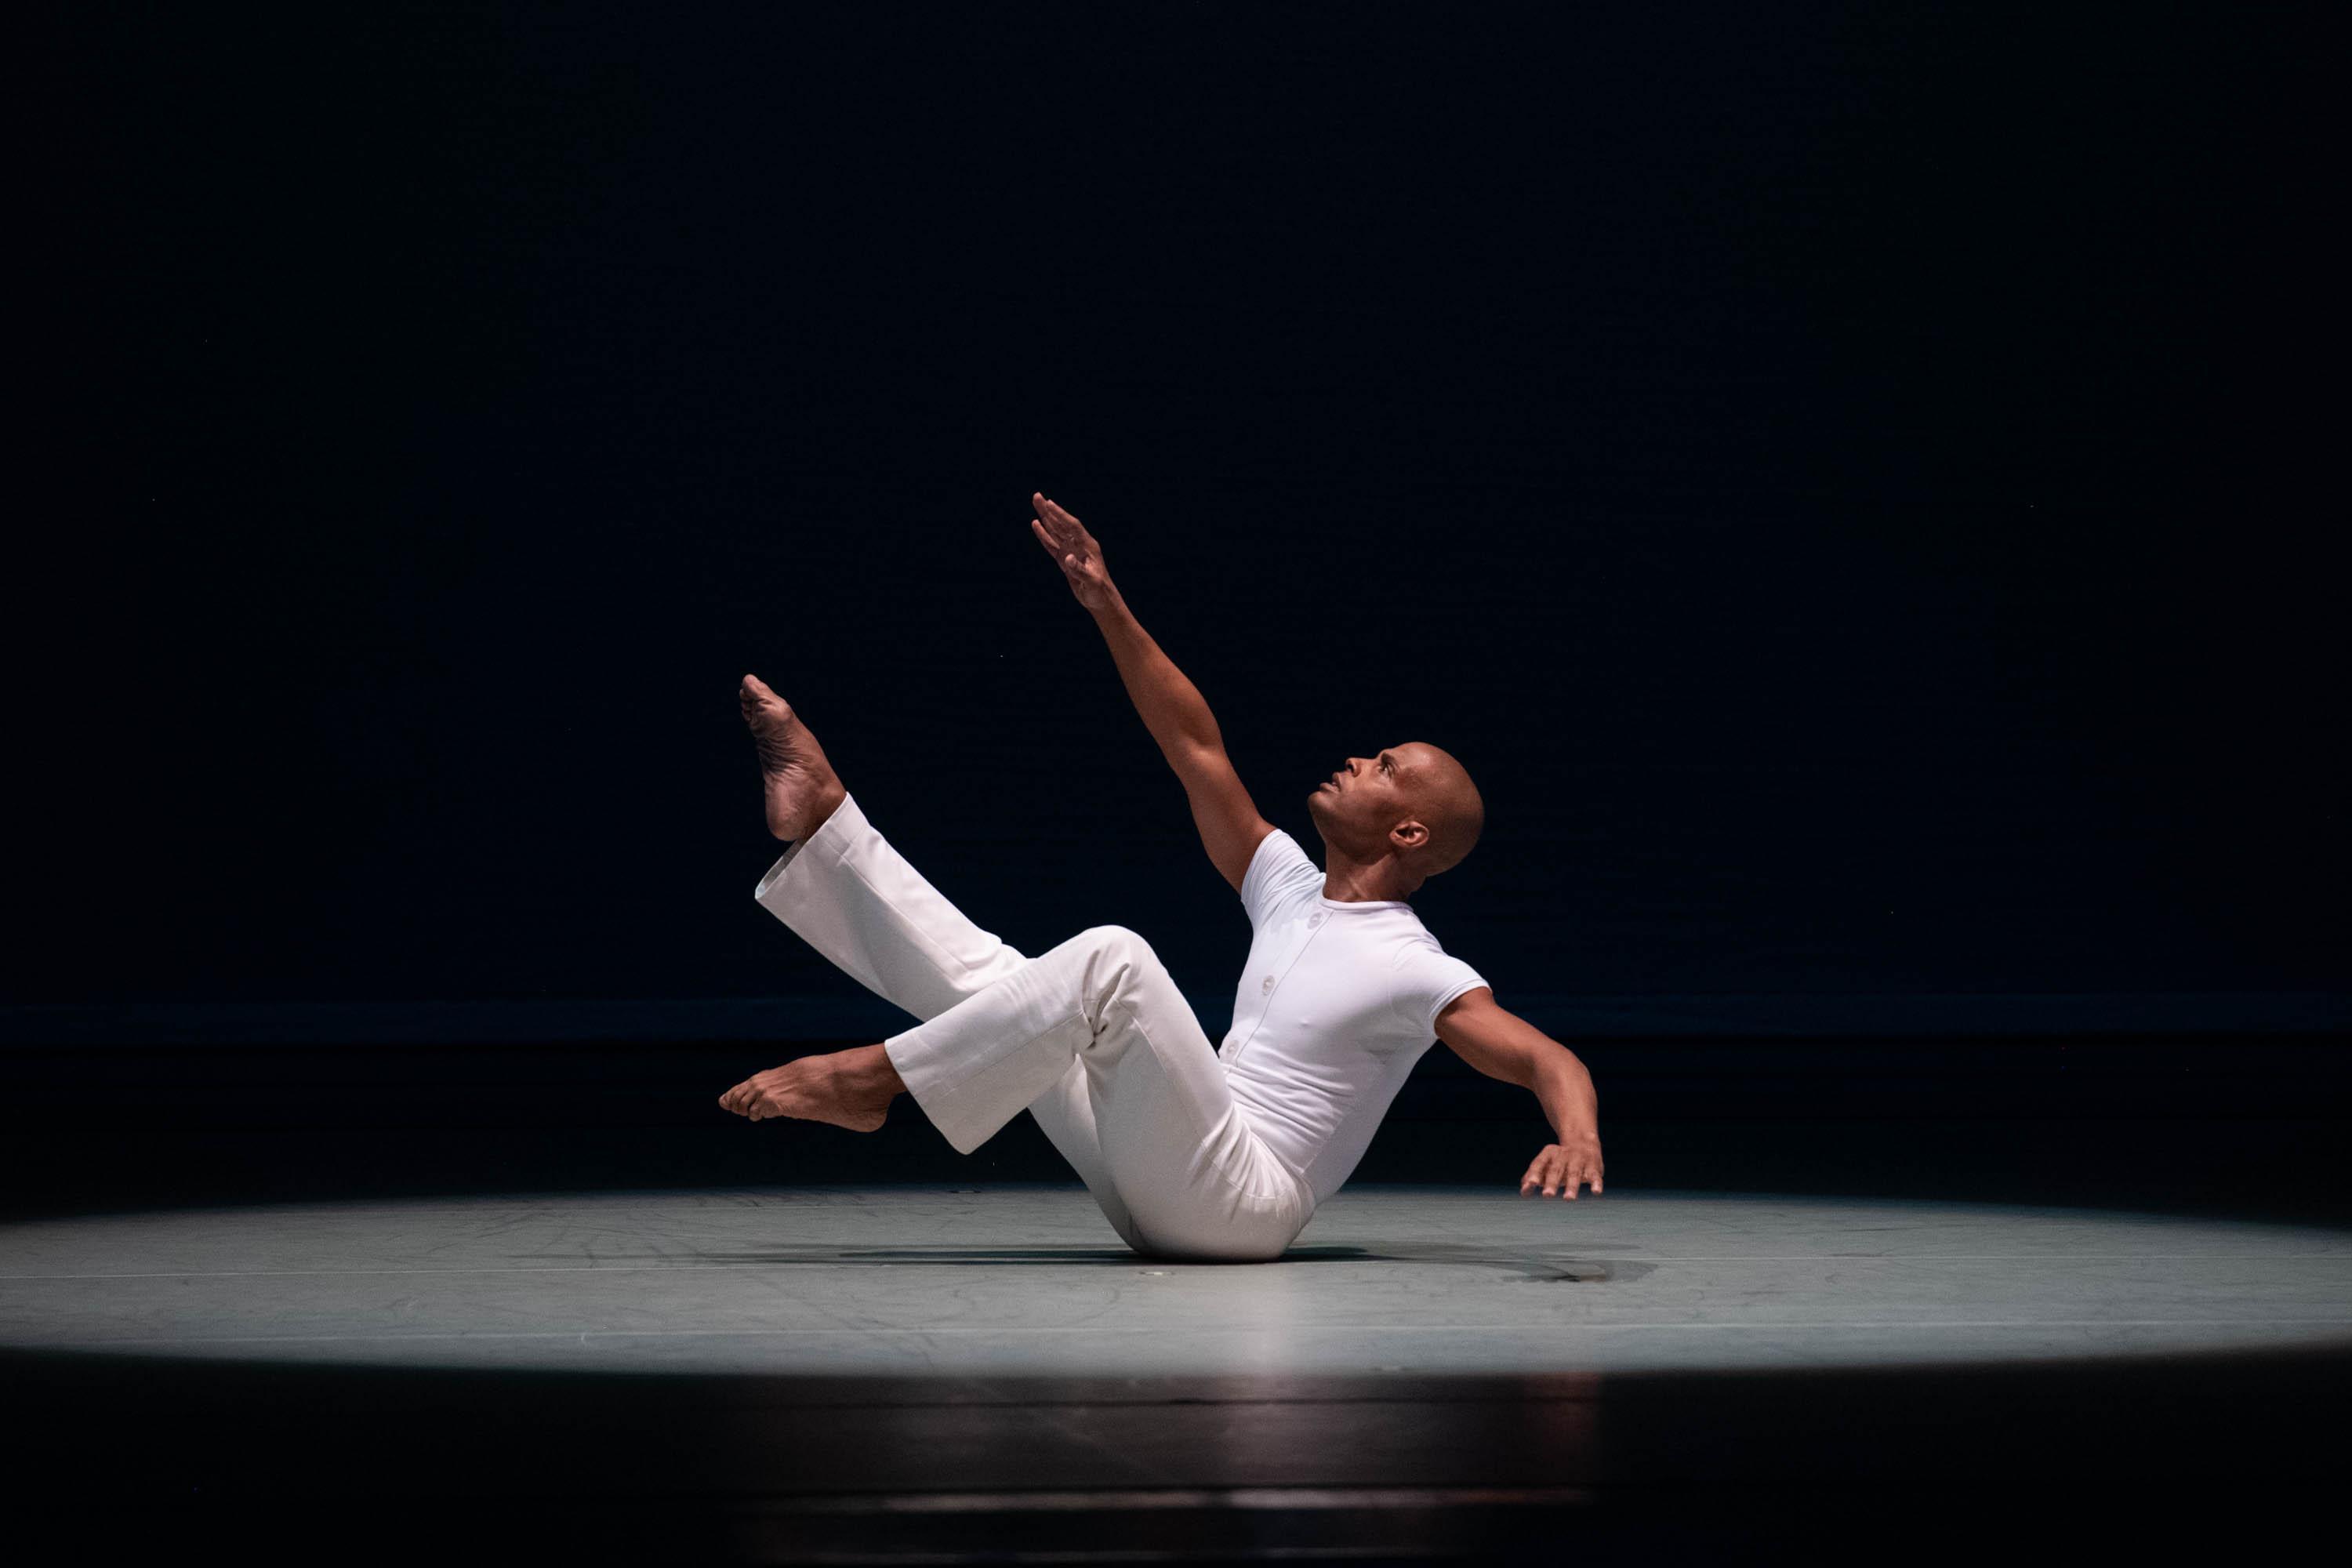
[1565,1090]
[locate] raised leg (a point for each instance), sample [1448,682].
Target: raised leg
[846,893]
[797,784]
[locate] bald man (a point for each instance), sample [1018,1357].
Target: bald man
[1209,1154]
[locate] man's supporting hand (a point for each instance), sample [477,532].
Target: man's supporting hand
[1074,549]
[1573,1107]
[1564,1165]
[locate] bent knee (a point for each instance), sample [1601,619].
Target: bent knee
[1116,937]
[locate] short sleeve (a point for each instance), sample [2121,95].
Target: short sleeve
[1422,982]
[1279,873]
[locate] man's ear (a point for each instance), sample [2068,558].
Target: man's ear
[1415,835]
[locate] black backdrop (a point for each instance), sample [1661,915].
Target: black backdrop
[1835,476]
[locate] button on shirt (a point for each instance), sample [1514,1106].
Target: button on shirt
[1337,1003]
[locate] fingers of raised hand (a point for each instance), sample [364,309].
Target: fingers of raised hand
[1064,551]
[1047,521]
[1066,526]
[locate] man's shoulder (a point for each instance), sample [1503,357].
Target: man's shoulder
[1278,868]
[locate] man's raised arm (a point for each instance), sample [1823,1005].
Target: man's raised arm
[1172,706]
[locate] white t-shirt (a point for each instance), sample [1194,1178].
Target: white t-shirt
[1337,1003]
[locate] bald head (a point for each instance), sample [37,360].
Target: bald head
[1444,801]
[1394,819]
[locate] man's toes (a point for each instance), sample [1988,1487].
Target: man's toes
[759,699]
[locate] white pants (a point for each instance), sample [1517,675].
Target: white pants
[1093,1038]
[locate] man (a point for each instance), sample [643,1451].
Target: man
[1191,1152]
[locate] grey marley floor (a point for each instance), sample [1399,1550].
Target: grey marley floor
[1029,1279]
[918,1374]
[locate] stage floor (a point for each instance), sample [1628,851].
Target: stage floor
[1030,1279]
[940,1374]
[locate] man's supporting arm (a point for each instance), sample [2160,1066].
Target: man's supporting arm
[1500,1044]
[1563,1085]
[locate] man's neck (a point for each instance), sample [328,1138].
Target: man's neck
[1346,882]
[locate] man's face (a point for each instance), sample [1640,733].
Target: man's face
[1356,807]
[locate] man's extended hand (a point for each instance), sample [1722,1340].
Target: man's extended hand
[1074,549]
[1565,1165]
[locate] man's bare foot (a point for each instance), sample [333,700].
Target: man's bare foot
[850,1088]
[802,787]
